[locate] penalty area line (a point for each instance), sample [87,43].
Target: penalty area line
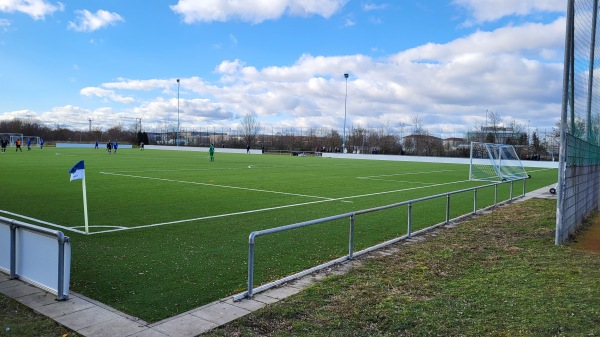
[217,185]
[402,174]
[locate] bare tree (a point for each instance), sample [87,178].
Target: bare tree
[494,122]
[250,128]
[418,125]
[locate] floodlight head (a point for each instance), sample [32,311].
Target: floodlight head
[346,75]
[177,80]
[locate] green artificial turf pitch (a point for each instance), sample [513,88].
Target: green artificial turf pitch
[169,229]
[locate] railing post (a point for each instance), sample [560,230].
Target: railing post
[250,264]
[475,201]
[447,209]
[409,219]
[524,186]
[511,190]
[13,252]
[351,239]
[61,267]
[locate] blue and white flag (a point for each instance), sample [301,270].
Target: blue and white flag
[77,171]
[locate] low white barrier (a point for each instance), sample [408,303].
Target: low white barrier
[36,255]
[91,145]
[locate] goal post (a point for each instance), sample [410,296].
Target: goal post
[495,162]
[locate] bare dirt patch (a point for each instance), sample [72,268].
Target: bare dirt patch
[589,238]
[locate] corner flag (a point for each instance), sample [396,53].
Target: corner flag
[77,171]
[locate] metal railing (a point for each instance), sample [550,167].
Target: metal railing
[54,279]
[352,216]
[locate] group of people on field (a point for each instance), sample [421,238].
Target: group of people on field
[4,144]
[110,146]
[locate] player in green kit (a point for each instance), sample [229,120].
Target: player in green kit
[211,151]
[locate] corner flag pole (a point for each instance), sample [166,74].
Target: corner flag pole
[78,172]
[85,212]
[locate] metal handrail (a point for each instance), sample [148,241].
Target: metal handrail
[352,215]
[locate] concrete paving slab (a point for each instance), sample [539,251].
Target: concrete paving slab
[20,290]
[247,304]
[38,299]
[220,313]
[185,326]
[149,332]
[119,326]
[60,308]
[10,283]
[264,298]
[303,282]
[139,321]
[281,292]
[85,318]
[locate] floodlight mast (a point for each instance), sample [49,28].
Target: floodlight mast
[345,103]
[177,138]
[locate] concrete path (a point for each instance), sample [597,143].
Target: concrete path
[94,319]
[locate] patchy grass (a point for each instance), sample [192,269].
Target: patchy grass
[499,274]
[18,320]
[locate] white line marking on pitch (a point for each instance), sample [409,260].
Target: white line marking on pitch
[397,181]
[273,208]
[217,185]
[402,174]
[43,222]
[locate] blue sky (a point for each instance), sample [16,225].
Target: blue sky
[282,61]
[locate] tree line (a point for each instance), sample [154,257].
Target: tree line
[408,139]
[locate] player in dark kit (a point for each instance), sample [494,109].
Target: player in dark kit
[3,144]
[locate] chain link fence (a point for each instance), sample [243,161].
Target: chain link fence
[579,175]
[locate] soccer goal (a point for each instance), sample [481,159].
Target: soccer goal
[495,162]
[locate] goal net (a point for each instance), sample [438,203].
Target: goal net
[495,162]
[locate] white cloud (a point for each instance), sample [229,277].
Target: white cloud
[89,22]
[37,9]
[348,22]
[521,39]
[253,11]
[367,7]
[492,10]
[105,94]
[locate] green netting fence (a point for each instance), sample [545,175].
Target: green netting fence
[579,171]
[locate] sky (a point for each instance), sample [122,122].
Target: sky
[444,63]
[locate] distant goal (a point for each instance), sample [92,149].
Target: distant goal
[495,162]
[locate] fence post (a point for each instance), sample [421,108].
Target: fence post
[447,209]
[251,264]
[409,219]
[351,239]
[524,186]
[511,190]
[13,251]
[475,201]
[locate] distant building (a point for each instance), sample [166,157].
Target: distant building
[454,143]
[499,135]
